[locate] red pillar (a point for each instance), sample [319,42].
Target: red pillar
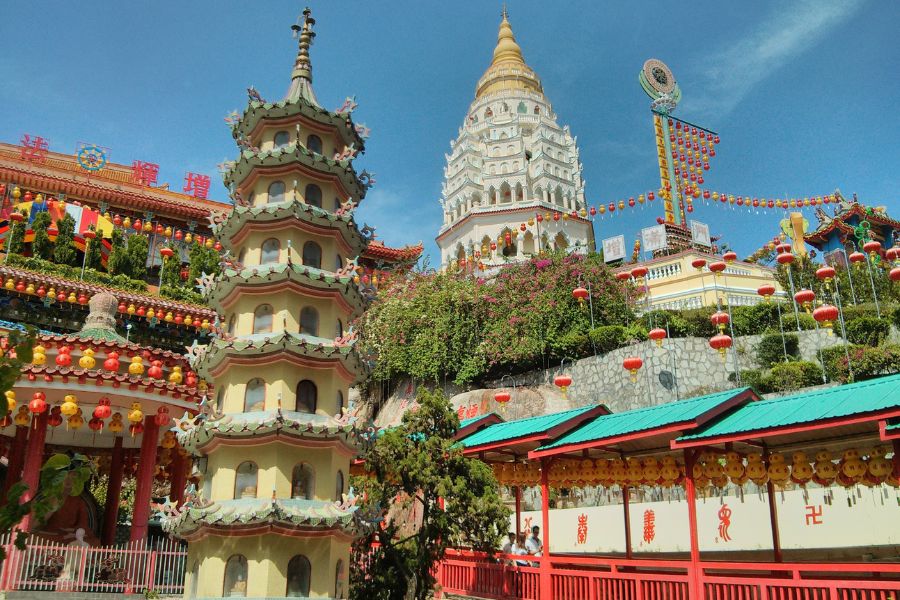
[146,471]
[15,458]
[694,587]
[113,493]
[773,519]
[177,478]
[546,583]
[626,491]
[34,458]
[518,509]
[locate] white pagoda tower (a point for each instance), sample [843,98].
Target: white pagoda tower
[511,165]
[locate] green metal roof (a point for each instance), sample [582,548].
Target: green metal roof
[643,419]
[807,407]
[893,425]
[510,430]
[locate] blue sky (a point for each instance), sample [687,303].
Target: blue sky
[804,94]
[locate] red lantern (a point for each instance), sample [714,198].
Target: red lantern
[720,343]
[632,364]
[631,202]
[826,315]
[580,294]
[892,253]
[141,311]
[41,292]
[540,218]
[698,263]
[562,382]
[112,362]
[103,409]
[720,320]
[122,308]
[895,274]
[136,225]
[218,246]
[159,229]
[657,335]
[872,247]
[857,257]
[593,211]
[61,296]
[623,275]
[556,216]
[717,267]
[54,419]
[117,220]
[63,359]
[166,252]
[178,235]
[639,272]
[17,217]
[825,273]
[155,371]
[523,227]
[136,429]
[82,299]
[502,397]
[805,298]
[729,257]
[493,245]
[95,424]
[651,196]
[38,404]
[162,417]
[785,258]
[20,287]
[766,291]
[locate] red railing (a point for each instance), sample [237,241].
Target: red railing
[599,578]
[132,567]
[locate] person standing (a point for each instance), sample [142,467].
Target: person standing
[533,544]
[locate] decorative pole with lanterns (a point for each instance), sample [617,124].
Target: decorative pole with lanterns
[786,258]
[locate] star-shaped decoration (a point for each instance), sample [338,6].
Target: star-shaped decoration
[195,353]
[183,424]
[205,283]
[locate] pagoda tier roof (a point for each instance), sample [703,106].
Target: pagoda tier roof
[315,281]
[81,340]
[266,215]
[89,289]
[296,155]
[254,427]
[305,350]
[290,110]
[839,223]
[60,174]
[256,516]
[376,250]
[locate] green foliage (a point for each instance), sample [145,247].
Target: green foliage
[136,251]
[99,487]
[202,260]
[866,362]
[608,337]
[414,467]
[789,321]
[11,363]
[171,272]
[117,261]
[756,319]
[182,294]
[771,349]
[698,323]
[64,251]
[94,258]
[895,316]
[783,377]
[16,243]
[41,246]
[869,330]
[677,325]
[45,267]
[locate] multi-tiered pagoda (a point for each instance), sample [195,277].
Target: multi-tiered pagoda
[271,517]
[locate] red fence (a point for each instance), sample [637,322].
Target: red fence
[133,567]
[597,578]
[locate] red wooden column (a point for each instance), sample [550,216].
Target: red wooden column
[626,491]
[34,458]
[773,518]
[546,582]
[518,509]
[113,493]
[15,459]
[694,586]
[177,478]
[146,470]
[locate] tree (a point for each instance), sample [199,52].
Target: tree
[417,466]
[16,242]
[41,246]
[136,252]
[171,272]
[64,251]
[94,256]
[202,260]
[117,261]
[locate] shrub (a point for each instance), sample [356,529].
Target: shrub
[789,323]
[46,267]
[756,319]
[895,315]
[866,361]
[675,321]
[608,337]
[771,349]
[869,330]
[698,323]
[571,344]
[754,378]
[794,375]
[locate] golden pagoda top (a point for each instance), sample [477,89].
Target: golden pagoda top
[508,70]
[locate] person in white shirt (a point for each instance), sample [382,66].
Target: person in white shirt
[507,546]
[533,544]
[520,549]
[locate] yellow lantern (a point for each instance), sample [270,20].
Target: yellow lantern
[72,299]
[126,223]
[75,421]
[148,227]
[116,425]
[39,355]
[188,320]
[168,318]
[10,284]
[16,193]
[29,289]
[176,376]
[137,366]
[188,238]
[131,309]
[209,243]
[135,415]
[87,360]
[22,418]
[69,406]
[204,324]
[168,442]
[151,313]
[168,232]
[10,400]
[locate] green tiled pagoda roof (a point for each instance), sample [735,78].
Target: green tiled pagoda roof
[291,209]
[274,272]
[511,430]
[644,419]
[251,160]
[101,334]
[257,111]
[294,512]
[807,407]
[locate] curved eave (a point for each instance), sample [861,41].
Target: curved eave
[294,348]
[312,432]
[244,219]
[260,112]
[304,280]
[74,339]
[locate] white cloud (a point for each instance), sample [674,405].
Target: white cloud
[733,72]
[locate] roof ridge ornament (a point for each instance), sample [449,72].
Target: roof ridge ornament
[301,77]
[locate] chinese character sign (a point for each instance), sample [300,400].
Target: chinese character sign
[724,523]
[196,185]
[654,238]
[649,526]
[582,529]
[614,248]
[144,173]
[700,233]
[34,149]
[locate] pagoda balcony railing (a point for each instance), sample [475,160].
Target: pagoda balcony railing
[46,566]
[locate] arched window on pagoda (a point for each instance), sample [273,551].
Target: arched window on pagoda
[242,255]
[299,572]
[340,402]
[276,192]
[307,397]
[245,480]
[312,255]
[313,195]
[314,144]
[262,319]
[282,139]
[235,585]
[488,112]
[339,579]
[537,110]
[271,249]
[303,480]
[255,395]
[339,329]
[338,262]
[339,485]
[521,109]
[220,400]
[231,321]
[309,321]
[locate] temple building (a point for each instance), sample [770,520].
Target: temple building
[512,172]
[273,516]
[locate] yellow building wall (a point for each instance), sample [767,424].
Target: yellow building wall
[286,306]
[267,563]
[294,190]
[281,378]
[265,140]
[250,248]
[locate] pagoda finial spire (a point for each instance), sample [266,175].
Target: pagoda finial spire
[301,77]
[507,49]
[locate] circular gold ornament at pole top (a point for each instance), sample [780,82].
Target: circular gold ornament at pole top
[659,76]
